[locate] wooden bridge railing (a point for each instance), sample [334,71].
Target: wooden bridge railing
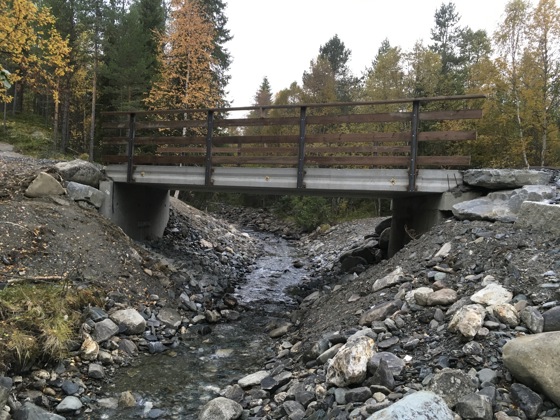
[382,134]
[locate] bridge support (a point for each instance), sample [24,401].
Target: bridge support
[413,216]
[141,211]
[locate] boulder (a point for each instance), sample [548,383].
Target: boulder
[220,409]
[493,294]
[525,398]
[44,185]
[253,379]
[29,411]
[104,330]
[170,317]
[69,404]
[533,319]
[130,319]
[349,365]
[539,216]
[502,206]
[452,385]
[551,320]
[380,311]
[533,361]
[82,192]
[498,179]
[475,406]
[422,405]
[394,277]
[468,320]
[80,171]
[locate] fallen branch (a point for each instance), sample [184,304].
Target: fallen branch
[46,279]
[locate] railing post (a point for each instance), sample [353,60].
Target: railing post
[413,146]
[210,129]
[130,148]
[301,149]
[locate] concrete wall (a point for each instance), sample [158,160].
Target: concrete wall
[413,216]
[141,211]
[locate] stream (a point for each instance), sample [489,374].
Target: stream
[176,384]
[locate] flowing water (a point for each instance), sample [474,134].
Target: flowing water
[181,380]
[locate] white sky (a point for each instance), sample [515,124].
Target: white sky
[279,38]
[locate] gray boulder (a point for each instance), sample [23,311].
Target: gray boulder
[452,385]
[44,185]
[497,179]
[104,330]
[421,405]
[221,409]
[539,216]
[29,411]
[502,206]
[474,406]
[82,192]
[170,317]
[533,361]
[551,320]
[130,319]
[380,311]
[69,404]
[80,171]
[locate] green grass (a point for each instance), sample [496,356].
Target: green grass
[37,321]
[29,135]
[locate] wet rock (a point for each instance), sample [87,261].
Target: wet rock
[551,320]
[533,360]
[474,407]
[96,371]
[221,409]
[69,404]
[44,185]
[130,319]
[451,385]
[468,320]
[349,365]
[526,399]
[29,411]
[253,379]
[493,294]
[126,400]
[420,405]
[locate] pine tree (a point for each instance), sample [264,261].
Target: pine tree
[186,79]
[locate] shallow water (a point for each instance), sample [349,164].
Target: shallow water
[181,380]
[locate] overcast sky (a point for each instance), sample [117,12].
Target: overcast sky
[279,38]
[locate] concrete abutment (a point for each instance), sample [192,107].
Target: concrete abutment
[141,211]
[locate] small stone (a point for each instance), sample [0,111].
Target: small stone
[96,371]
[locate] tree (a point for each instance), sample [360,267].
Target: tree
[385,78]
[541,73]
[262,98]
[319,83]
[30,48]
[510,39]
[186,79]
[424,68]
[337,55]
[214,13]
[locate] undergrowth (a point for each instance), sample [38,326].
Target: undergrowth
[38,321]
[30,136]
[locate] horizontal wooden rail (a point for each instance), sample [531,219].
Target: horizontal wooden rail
[407,133]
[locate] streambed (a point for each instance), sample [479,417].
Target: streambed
[176,383]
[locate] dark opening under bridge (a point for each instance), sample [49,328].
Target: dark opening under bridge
[400,149]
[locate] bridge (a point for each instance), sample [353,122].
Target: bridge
[404,149]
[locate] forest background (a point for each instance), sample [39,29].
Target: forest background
[66,61]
